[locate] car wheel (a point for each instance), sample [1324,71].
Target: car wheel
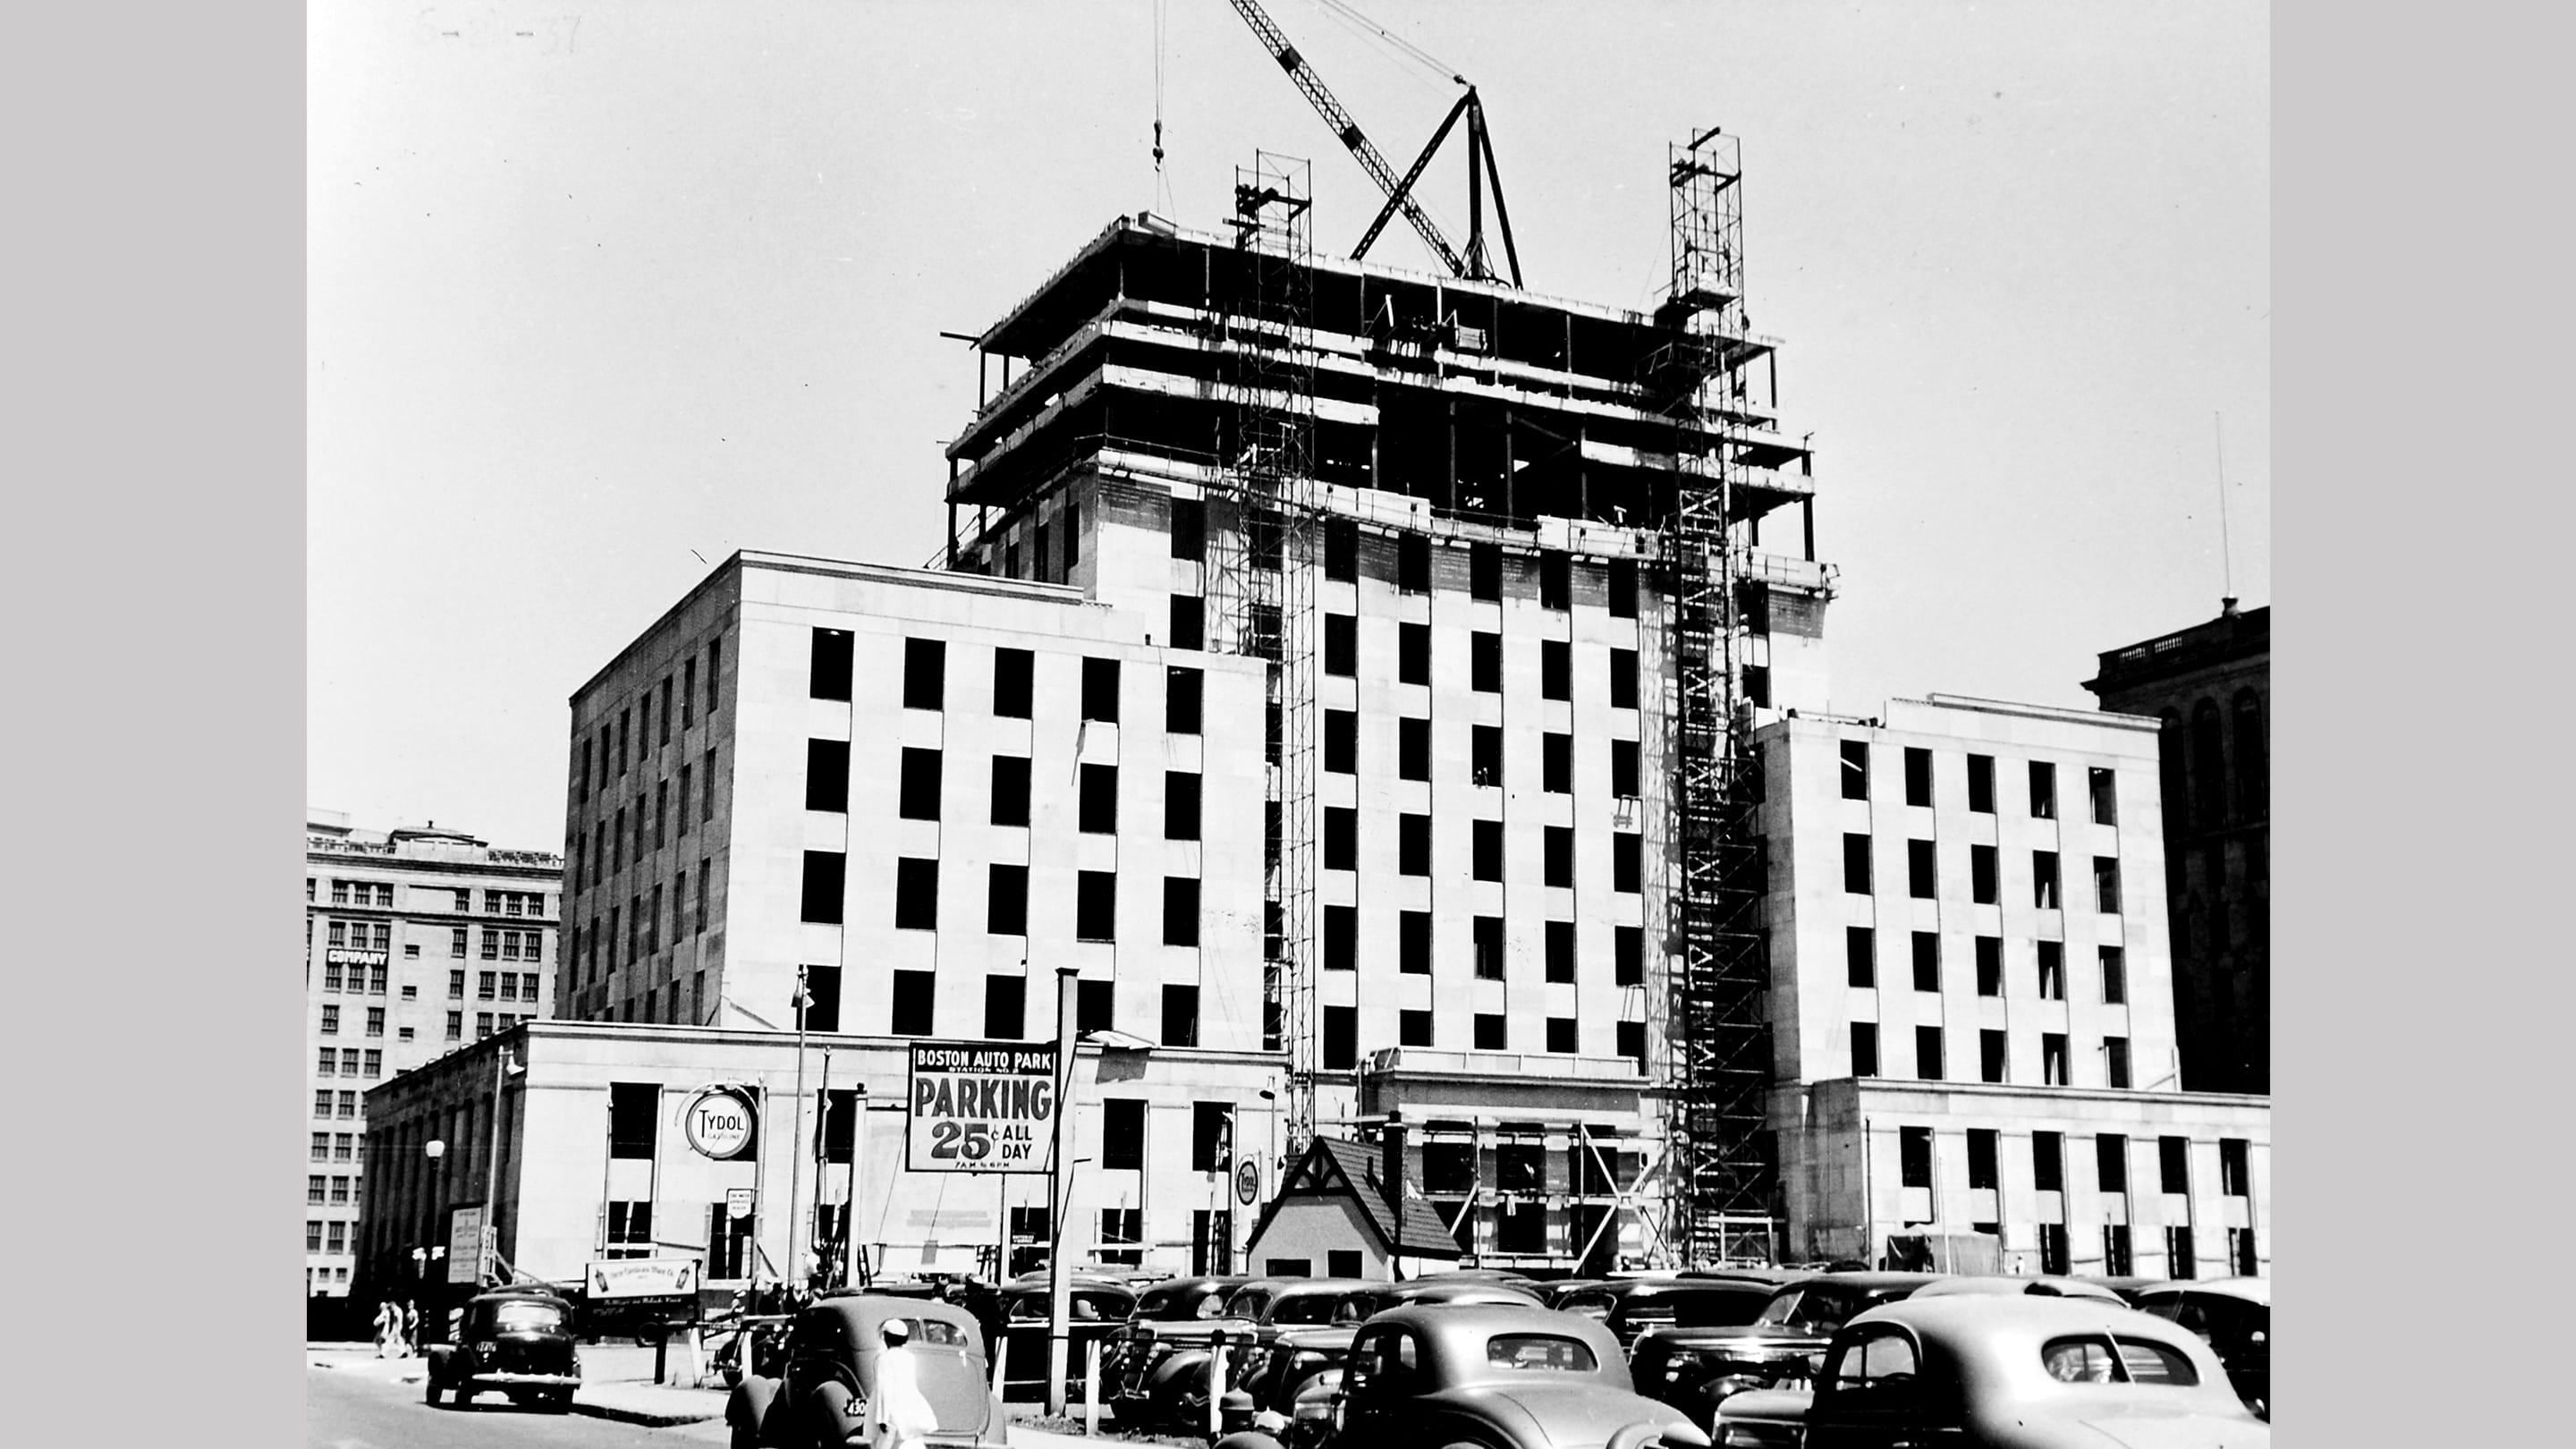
[558,1402]
[431,1393]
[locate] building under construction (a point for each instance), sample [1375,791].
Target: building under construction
[1390,700]
[1524,572]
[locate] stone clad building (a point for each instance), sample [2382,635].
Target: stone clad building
[416,941]
[2209,687]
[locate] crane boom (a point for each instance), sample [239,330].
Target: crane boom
[1399,193]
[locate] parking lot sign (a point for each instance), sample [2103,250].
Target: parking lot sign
[979,1107]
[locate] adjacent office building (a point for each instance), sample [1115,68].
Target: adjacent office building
[2209,687]
[416,941]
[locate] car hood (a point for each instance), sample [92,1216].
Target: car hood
[1574,1415]
[1753,1337]
[1785,1406]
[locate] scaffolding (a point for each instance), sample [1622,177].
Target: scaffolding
[1718,1168]
[1262,552]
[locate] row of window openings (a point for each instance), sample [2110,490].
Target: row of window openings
[611,842]
[497,945]
[338,1240]
[349,1062]
[381,896]
[658,703]
[338,1147]
[637,926]
[2048,1174]
[333,1191]
[1993,1056]
[916,883]
[360,980]
[1923,878]
[1860,961]
[2195,789]
[1005,1019]
[2101,785]
[925,668]
[325,1099]
[1413,552]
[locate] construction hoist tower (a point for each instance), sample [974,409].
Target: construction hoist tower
[1716,1064]
[1263,550]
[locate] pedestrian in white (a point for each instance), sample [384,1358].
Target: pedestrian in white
[902,1416]
[386,1318]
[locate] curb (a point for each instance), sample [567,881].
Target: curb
[649,1418]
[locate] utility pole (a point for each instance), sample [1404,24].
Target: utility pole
[489,1249]
[796,1150]
[1060,1193]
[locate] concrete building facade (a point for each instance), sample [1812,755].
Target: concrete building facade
[579,1128]
[1972,991]
[416,942]
[2209,687]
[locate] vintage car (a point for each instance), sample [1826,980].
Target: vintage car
[1629,1307]
[1154,1368]
[2035,1287]
[1101,1306]
[1497,1375]
[1288,1386]
[2007,1372]
[1361,1304]
[821,1397]
[1692,1368]
[2234,1317]
[516,1341]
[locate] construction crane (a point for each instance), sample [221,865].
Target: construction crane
[1474,263]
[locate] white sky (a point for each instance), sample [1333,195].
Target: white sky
[595,305]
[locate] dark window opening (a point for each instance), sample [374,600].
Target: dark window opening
[1181,911]
[1341,550]
[1182,689]
[1485,754]
[1628,956]
[1918,776]
[1413,749]
[1006,900]
[1413,654]
[1014,673]
[822,998]
[1122,1134]
[1181,1016]
[1922,877]
[1492,1034]
[821,897]
[1991,1059]
[1555,669]
[1098,810]
[1341,838]
[1927,1053]
[1860,956]
[1485,662]
[1485,571]
[1855,773]
[1555,581]
[1413,845]
[920,789]
[1623,679]
[1180,805]
[1623,588]
[827,674]
[1095,905]
[1489,948]
[1914,1156]
[925,674]
[1100,690]
[1855,863]
[912,1001]
[1624,769]
[1560,951]
[1983,1145]
[2043,790]
[1413,563]
[1010,790]
[2104,787]
[1341,1038]
[2048,1163]
[1341,742]
[1341,938]
[1558,861]
[1342,645]
[916,894]
[1981,784]
[1413,946]
[827,777]
[1005,1007]
[1864,1048]
[1188,622]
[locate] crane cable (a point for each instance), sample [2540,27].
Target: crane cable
[1405,48]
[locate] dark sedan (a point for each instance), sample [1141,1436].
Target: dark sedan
[1694,1368]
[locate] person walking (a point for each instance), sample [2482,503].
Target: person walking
[385,1320]
[901,1415]
[411,1328]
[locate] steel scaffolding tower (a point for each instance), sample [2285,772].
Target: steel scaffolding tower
[1717,1069]
[1261,587]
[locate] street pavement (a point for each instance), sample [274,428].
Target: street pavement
[354,1400]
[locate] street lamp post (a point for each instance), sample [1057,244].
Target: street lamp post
[489,1249]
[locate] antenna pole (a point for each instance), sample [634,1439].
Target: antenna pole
[2226,557]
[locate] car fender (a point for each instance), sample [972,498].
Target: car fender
[439,1365]
[747,1405]
[1248,1439]
[1186,1369]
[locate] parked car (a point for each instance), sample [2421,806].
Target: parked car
[2022,1371]
[1361,1304]
[1101,1306]
[1288,1386]
[2128,1288]
[1501,1375]
[833,1347]
[2234,1317]
[2035,1287]
[1640,1305]
[1693,1368]
[517,1341]
[1154,1368]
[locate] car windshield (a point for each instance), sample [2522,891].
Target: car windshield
[1303,1308]
[1539,1353]
[1819,1306]
[1168,1304]
[1087,1308]
[527,1318]
[934,1330]
[1357,1307]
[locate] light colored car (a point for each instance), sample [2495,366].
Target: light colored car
[1493,1375]
[2008,1371]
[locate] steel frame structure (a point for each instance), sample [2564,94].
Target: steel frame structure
[1720,1176]
[1262,552]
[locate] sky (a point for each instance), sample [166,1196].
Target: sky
[595,300]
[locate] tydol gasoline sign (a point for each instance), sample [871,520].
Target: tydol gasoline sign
[977,1107]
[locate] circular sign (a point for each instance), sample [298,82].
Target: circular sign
[1247,1181]
[718,1122]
